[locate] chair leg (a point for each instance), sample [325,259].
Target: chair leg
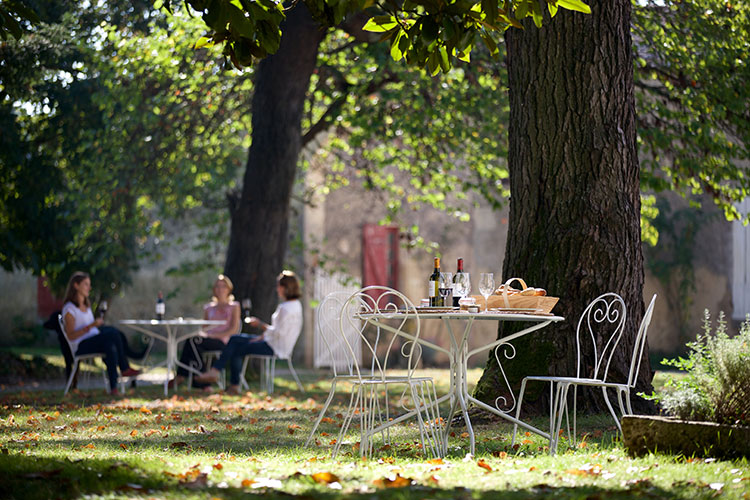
[518,411]
[559,408]
[626,392]
[294,374]
[243,380]
[73,371]
[612,410]
[272,372]
[354,398]
[322,413]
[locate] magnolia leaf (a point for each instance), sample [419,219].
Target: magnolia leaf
[379,24]
[576,5]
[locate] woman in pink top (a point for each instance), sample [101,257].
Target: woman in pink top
[222,307]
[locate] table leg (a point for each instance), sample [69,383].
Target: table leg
[171,356]
[459,383]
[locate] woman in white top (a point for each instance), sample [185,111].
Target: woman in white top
[88,336]
[278,338]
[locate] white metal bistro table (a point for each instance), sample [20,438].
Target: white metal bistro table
[167,330]
[459,355]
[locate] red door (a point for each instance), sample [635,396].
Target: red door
[380,255]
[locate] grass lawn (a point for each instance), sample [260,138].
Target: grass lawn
[194,445]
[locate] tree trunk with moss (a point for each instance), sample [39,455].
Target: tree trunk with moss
[258,238]
[575,200]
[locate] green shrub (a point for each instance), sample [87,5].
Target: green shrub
[716,386]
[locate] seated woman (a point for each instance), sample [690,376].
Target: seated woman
[222,307]
[278,338]
[88,336]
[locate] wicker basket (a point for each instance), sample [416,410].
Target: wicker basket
[541,303]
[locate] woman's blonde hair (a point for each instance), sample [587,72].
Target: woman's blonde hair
[229,284]
[71,294]
[288,280]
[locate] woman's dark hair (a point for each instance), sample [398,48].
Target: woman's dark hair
[288,280]
[71,294]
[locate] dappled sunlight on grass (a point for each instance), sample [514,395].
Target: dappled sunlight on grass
[196,445]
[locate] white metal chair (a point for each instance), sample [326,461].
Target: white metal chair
[605,312]
[418,398]
[328,316]
[78,358]
[267,372]
[208,358]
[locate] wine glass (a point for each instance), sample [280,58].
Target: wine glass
[462,285]
[246,306]
[445,288]
[486,286]
[102,309]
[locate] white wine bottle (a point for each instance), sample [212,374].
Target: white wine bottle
[435,299]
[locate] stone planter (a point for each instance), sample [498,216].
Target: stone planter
[643,434]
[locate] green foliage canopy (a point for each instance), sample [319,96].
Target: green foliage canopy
[692,77]
[102,140]
[434,34]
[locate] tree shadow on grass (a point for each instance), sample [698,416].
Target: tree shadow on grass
[27,477]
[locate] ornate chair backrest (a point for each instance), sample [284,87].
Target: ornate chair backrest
[640,343]
[403,322]
[601,324]
[329,322]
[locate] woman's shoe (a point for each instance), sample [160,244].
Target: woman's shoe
[233,390]
[114,392]
[210,377]
[131,372]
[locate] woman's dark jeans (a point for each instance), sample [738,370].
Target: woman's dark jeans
[192,355]
[237,348]
[109,343]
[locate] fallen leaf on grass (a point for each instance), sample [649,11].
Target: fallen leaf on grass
[484,465]
[246,483]
[397,482]
[218,466]
[436,461]
[145,410]
[134,433]
[198,481]
[500,454]
[179,444]
[123,446]
[324,478]
[269,428]
[292,428]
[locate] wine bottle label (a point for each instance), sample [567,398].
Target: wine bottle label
[432,289]
[160,308]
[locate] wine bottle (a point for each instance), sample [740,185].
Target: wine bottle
[458,291]
[160,307]
[435,299]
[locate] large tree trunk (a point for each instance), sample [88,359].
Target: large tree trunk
[574,177]
[258,239]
